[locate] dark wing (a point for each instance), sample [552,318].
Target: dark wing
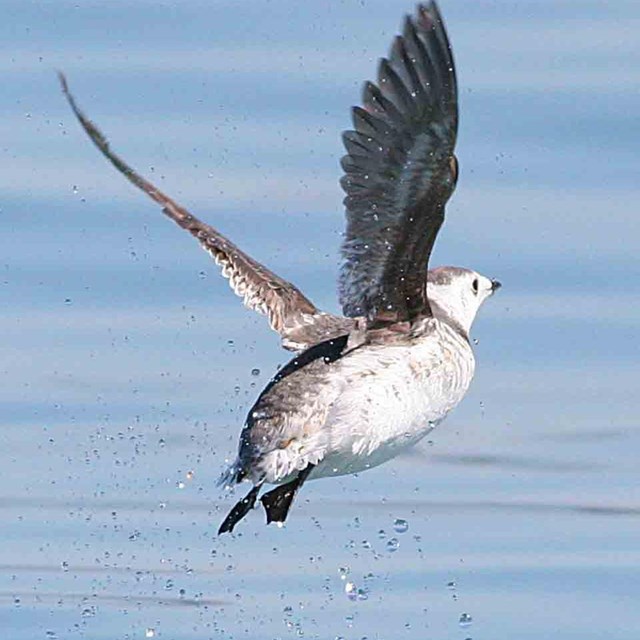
[399,173]
[289,312]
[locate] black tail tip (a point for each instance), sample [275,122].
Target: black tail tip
[240,510]
[225,527]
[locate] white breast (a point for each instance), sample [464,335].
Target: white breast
[405,393]
[383,399]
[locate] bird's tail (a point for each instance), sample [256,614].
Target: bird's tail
[231,476]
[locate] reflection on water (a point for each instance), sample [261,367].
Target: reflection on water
[17,598]
[328,508]
[127,365]
[505,463]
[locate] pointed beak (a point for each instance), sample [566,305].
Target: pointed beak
[495,285]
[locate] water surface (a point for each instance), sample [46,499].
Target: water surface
[126,363]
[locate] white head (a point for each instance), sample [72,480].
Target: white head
[456,294]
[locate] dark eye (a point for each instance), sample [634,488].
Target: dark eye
[475,284]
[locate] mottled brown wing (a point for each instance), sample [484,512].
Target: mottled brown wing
[399,173]
[289,312]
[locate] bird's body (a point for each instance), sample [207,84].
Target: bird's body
[368,384]
[359,410]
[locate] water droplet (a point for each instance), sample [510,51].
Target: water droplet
[366,544]
[149,632]
[189,475]
[351,590]
[400,525]
[168,585]
[392,545]
[162,442]
[64,565]
[362,594]
[180,484]
[451,585]
[344,572]
[255,372]
[465,620]
[51,635]
[381,534]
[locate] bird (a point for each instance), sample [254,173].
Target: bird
[366,385]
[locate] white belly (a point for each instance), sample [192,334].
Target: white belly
[378,416]
[383,399]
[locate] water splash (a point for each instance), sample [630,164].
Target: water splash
[465,620]
[393,544]
[400,525]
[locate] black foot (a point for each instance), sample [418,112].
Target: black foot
[239,511]
[277,502]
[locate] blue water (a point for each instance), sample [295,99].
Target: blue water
[125,367]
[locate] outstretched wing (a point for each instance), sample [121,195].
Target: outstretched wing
[399,173]
[289,312]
